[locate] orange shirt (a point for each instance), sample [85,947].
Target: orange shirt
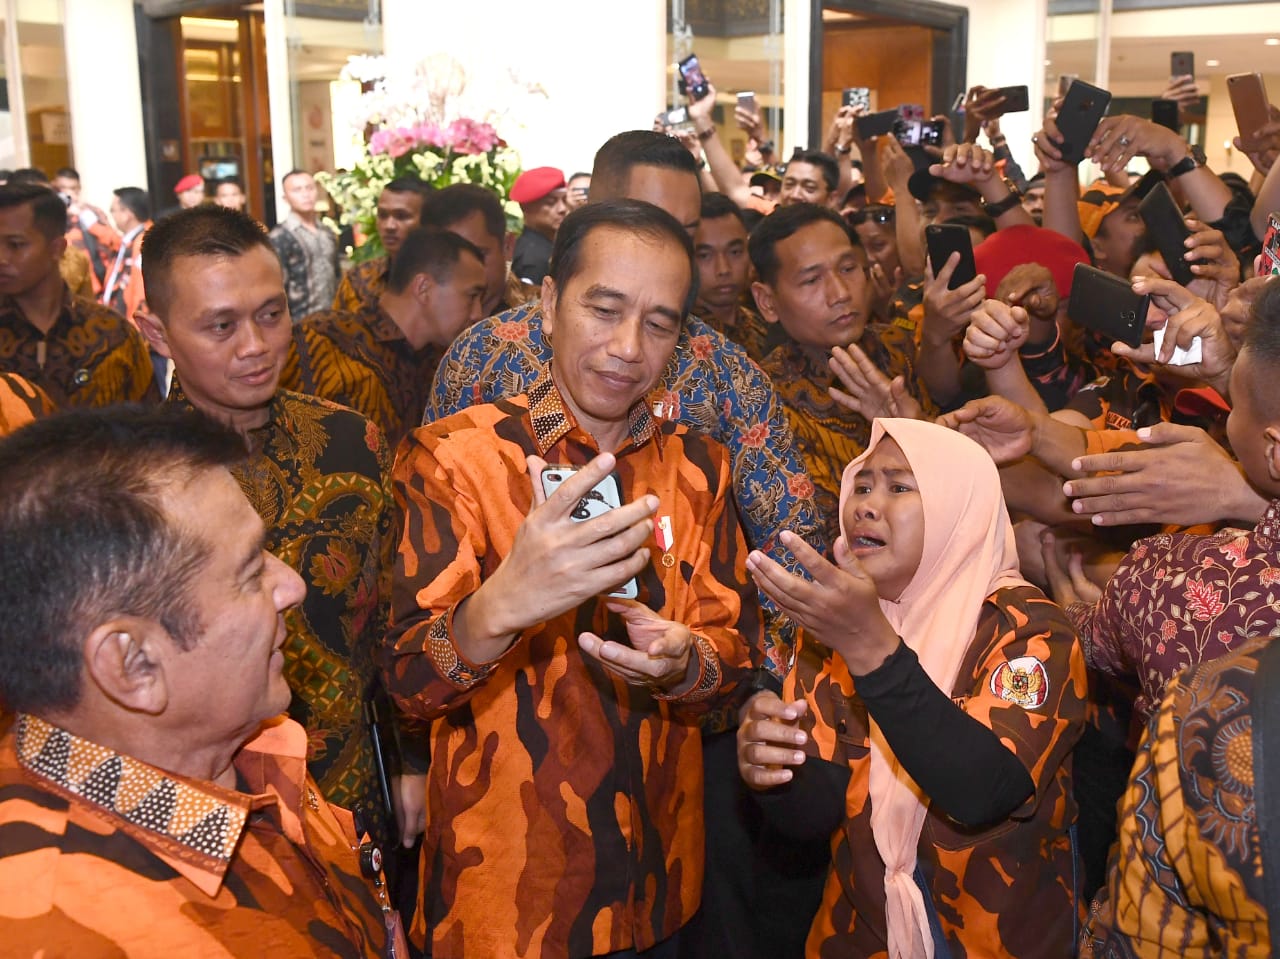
[20,403]
[564,807]
[104,855]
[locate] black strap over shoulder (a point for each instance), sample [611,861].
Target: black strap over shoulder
[1265,713]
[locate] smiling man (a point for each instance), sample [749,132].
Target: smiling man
[813,286]
[567,761]
[153,801]
[317,473]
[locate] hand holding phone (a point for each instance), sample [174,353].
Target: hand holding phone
[943,239]
[606,495]
[856,97]
[693,82]
[1083,108]
[1169,230]
[1182,64]
[1108,305]
[1249,103]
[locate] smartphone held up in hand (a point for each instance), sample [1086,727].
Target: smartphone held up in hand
[943,239]
[1108,305]
[600,499]
[693,82]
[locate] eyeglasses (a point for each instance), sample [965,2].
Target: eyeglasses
[876,212]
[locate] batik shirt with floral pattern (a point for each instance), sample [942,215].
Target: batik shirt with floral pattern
[319,475]
[710,385]
[1179,599]
[1185,877]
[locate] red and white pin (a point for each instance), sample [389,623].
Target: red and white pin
[666,539]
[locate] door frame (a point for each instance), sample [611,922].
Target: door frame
[950,47]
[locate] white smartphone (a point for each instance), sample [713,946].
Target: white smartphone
[604,496]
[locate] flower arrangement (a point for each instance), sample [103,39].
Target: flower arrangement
[411,115]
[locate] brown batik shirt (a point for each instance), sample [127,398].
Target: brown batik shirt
[564,806]
[104,855]
[828,436]
[1003,892]
[319,476]
[91,356]
[363,361]
[363,285]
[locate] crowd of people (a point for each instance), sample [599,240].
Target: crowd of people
[707,572]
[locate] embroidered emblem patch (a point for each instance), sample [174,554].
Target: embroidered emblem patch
[1023,681]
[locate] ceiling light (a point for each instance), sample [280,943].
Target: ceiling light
[1271,42]
[1213,63]
[1048,63]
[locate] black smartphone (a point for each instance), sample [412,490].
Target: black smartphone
[1107,304]
[1083,108]
[1167,230]
[856,97]
[876,124]
[1182,64]
[693,80]
[1165,113]
[943,239]
[1016,99]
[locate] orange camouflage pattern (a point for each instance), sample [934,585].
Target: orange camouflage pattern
[104,855]
[564,806]
[1003,891]
[20,403]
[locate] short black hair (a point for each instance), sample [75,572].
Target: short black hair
[716,205]
[611,173]
[632,216]
[28,174]
[136,200]
[47,209]
[576,175]
[409,184]
[207,230]
[823,161]
[428,251]
[1262,334]
[296,171]
[780,224]
[67,172]
[227,181]
[974,221]
[458,201]
[84,537]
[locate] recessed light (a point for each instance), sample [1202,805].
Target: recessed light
[1271,42]
[1213,63]
[1048,63]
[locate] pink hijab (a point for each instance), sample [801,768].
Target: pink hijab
[968,554]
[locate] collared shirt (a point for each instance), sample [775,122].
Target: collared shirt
[319,476]
[362,360]
[747,328]
[91,356]
[1179,599]
[310,260]
[104,855]
[829,436]
[362,286]
[711,386]
[1185,877]
[1003,892]
[20,403]
[564,806]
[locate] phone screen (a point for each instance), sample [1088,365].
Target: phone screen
[1270,264]
[695,81]
[856,97]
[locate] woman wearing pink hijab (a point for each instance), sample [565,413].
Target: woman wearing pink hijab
[928,721]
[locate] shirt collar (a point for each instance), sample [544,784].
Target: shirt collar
[278,415]
[192,825]
[552,420]
[1267,532]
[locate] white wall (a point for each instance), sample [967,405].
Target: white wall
[601,63]
[106,124]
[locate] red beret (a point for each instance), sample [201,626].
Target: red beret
[1003,250]
[532,185]
[189,182]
